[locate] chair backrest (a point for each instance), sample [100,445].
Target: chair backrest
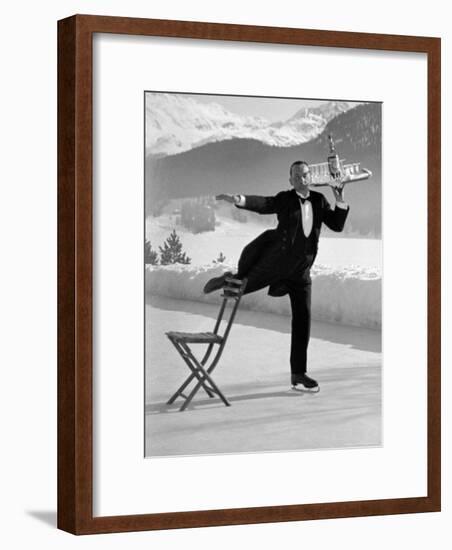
[232,291]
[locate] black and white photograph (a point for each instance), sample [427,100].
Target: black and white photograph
[263,274]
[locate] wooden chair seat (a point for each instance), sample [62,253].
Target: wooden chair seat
[195,337]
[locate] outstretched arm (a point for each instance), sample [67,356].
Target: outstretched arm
[255,203]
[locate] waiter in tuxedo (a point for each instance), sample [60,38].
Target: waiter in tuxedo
[281,258]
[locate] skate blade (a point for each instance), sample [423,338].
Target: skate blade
[302,389]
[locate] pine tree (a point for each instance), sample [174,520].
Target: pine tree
[150,256]
[171,252]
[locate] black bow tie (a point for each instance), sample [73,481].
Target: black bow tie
[304,199]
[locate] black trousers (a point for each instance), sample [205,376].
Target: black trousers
[264,268]
[300,300]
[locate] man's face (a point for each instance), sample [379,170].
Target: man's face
[300,177]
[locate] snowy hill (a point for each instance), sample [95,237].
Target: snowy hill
[176,123]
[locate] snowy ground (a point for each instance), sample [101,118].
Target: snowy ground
[254,374]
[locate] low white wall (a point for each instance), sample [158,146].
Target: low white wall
[350,296]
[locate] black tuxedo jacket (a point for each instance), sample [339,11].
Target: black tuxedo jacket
[286,247]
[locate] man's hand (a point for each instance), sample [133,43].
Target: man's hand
[338,191]
[228,198]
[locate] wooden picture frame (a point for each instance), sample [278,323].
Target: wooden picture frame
[75,274]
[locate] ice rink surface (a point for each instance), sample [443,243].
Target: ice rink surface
[253,373]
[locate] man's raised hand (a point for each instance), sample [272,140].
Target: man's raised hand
[338,191]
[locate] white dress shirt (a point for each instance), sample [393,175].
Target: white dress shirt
[306,214]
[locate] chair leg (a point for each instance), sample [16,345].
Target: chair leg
[182,388]
[198,372]
[182,352]
[201,381]
[195,390]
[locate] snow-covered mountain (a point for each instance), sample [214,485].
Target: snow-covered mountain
[311,121]
[176,123]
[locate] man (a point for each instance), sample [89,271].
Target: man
[282,258]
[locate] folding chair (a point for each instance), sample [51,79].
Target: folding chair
[201,371]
